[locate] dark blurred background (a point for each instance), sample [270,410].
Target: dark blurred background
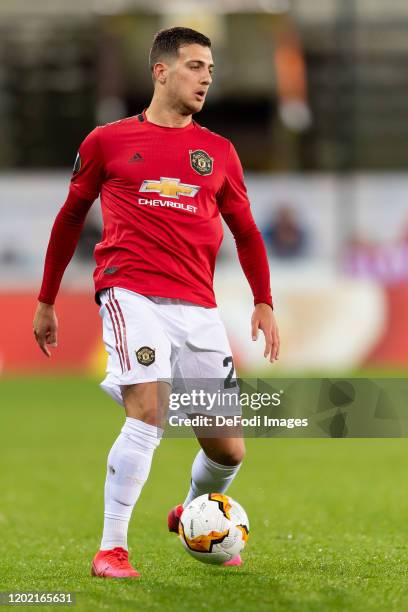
[314,97]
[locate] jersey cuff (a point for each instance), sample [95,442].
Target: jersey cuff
[268,302]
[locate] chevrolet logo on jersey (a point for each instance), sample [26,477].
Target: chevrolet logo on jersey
[170,187]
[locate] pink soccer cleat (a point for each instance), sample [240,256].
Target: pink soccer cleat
[237,561]
[173,518]
[113,564]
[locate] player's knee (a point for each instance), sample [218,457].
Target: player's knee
[232,456]
[147,402]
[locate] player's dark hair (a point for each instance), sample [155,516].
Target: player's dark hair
[168,42]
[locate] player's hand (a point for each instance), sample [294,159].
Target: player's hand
[45,326]
[263,319]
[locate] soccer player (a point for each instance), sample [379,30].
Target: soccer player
[164,183]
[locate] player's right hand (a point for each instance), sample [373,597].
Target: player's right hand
[45,327]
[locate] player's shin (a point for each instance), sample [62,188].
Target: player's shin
[207,476]
[128,468]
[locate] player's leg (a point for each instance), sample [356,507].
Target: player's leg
[139,354]
[207,357]
[214,468]
[129,463]
[217,462]
[130,457]
[216,465]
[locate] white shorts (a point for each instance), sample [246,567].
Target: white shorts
[149,339]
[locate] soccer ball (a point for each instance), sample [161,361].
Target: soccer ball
[213,528]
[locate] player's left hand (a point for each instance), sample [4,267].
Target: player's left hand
[45,327]
[263,319]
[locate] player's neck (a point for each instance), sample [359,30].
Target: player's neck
[165,116]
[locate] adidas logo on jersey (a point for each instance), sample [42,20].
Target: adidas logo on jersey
[135,158]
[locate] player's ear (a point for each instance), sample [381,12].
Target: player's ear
[160,72]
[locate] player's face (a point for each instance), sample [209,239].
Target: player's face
[188,78]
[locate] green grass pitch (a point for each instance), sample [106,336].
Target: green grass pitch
[329,528]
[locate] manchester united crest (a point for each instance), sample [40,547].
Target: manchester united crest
[201,162]
[146,355]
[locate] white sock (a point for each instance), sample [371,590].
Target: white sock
[207,476]
[128,467]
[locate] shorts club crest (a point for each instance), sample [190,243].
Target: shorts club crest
[146,355]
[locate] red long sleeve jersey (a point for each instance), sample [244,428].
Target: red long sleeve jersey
[162,191]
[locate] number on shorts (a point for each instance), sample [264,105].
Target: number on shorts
[228,382]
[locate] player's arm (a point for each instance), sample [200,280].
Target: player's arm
[85,186]
[235,209]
